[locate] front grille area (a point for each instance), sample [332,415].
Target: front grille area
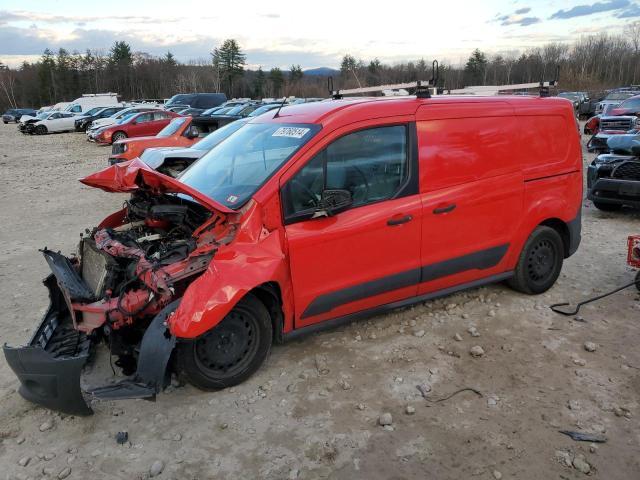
[622,124]
[627,171]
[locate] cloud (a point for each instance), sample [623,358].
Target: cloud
[517,19]
[25,16]
[582,10]
[631,12]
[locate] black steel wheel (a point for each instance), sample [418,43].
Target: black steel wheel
[540,262]
[230,352]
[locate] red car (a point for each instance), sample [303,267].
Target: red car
[323,214]
[142,124]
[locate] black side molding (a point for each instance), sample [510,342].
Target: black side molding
[337,322]
[575,230]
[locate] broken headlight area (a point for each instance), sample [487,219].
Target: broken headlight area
[124,279]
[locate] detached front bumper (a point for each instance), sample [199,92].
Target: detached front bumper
[49,366]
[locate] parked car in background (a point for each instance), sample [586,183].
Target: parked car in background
[196,100]
[51,122]
[115,117]
[618,119]
[191,112]
[174,160]
[14,114]
[140,124]
[582,104]
[178,133]
[209,123]
[83,122]
[614,98]
[613,178]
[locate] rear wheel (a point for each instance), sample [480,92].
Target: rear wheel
[608,207]
[40,130]
[540,262]
[118,136]
[230,352]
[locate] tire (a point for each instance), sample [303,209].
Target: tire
[607,207]
[40,130]
[5,122]
[637,280]
[246,331]
[118,136]
[540,262]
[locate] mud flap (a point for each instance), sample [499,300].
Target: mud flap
[49,366]
[151,375]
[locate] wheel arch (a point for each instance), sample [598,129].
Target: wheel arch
[270,295]
[563,230]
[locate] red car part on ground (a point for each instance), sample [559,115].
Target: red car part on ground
[142,124]
[322,214]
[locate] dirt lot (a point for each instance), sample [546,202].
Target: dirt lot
[313,410]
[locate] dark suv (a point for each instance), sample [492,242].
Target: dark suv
[613,178]
[83,122]
[14,114]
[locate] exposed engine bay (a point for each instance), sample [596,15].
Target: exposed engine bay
[120,288]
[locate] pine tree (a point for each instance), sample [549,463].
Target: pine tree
[229,61]
[258,83]
[475,69]
[277,79]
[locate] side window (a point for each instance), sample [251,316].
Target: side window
[55,116]
[146,117]
[371,164]
[160,116]
[76,109]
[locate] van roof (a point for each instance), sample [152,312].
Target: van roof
[370,107]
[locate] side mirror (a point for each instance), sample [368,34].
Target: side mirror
[332,202]
[192,132]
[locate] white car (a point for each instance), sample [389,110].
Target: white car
[52,122]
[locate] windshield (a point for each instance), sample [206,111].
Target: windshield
[233,171]
[43,115]
[570,96]
[126,117]
[173,127]
[261,110]
[234,110]
[93,111]
[217,136]
[618,96]
[631,103]
[211,110]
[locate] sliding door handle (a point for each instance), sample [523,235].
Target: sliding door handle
[393,221]
[447,209]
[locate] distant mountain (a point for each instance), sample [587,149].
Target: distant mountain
[322,71]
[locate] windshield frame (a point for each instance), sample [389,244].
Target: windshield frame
[314,129]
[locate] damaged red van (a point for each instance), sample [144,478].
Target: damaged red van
[317,215]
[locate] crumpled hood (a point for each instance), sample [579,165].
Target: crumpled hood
[134,175]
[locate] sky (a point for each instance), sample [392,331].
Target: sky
[279,33]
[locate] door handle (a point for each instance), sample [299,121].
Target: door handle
[447,209]
[394,221]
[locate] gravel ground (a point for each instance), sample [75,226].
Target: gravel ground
[314,410]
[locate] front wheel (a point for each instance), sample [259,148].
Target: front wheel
[540,262]
[118,136]
[608,207]
[40,130]
[231,351]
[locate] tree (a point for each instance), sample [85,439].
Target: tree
[258,83]
[475,69]
[295,76]
[277,79]
[169,59]
[230,62]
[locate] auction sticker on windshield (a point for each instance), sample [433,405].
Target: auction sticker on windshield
[291,132]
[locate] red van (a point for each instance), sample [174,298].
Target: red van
[320,214]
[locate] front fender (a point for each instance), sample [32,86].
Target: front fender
[235,270]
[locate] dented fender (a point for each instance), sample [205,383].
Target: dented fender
[255,257]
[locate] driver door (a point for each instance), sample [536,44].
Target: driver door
[368,254]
